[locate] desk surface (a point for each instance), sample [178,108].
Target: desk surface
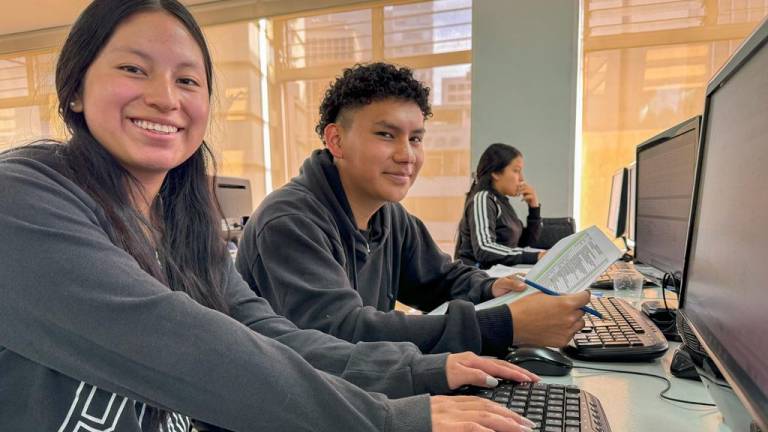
[632,402]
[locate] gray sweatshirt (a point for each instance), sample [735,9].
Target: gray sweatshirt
[88,339]
[302,251]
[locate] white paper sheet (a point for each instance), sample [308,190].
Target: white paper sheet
[575,261]
[570,266]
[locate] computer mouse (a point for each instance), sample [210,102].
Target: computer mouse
[541,361]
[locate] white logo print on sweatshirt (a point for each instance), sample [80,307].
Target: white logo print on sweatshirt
[81,416]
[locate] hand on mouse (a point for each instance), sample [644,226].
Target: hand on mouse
[545,320]
[468,368]
[469,413]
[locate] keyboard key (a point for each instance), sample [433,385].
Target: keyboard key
[617,344]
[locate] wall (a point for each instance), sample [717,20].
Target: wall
[524,76]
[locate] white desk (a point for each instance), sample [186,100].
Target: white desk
[632,402]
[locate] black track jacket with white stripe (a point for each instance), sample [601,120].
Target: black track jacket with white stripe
[491,233]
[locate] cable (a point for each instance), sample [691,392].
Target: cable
[663,392]
[669,326]
[669,277]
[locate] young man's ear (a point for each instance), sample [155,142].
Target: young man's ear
[332,139]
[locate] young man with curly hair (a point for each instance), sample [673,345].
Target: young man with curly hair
[333,249]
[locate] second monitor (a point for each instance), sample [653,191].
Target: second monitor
[665,173]
[617,206]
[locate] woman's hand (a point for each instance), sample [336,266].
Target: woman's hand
[470,369]
[469,413]
[528,193]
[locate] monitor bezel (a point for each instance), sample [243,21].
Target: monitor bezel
[631,203]
[621,219]
[656,140]
[712,346]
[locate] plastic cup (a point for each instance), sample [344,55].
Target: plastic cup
[627,284]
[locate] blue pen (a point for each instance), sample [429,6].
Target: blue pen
[533,284]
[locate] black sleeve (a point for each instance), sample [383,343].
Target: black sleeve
[430,277]
[295,269]
[532,228]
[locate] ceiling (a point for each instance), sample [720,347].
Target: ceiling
[30,15]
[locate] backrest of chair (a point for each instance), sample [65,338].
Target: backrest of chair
[554,229]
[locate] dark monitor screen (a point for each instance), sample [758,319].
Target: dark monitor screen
[631,200]
[617,206]
[665,171]
[725,299]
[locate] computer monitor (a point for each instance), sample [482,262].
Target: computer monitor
[665,171]
[725,296]
[631,201]
[236,203]
[617,205]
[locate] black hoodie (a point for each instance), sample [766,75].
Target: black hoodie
[88,339]
[296,251]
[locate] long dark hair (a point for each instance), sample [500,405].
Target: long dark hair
[493,160]
[180,245]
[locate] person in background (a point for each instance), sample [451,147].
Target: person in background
[490,232]
[120,308]
[333,249]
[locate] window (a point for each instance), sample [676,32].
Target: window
[237,124]
[28,101]
[646,68]
[434,38]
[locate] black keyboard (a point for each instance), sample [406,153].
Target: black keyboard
[605,280]
[553,407]
[626,334]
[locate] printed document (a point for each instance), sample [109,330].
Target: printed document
[575,262]
[570,266]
